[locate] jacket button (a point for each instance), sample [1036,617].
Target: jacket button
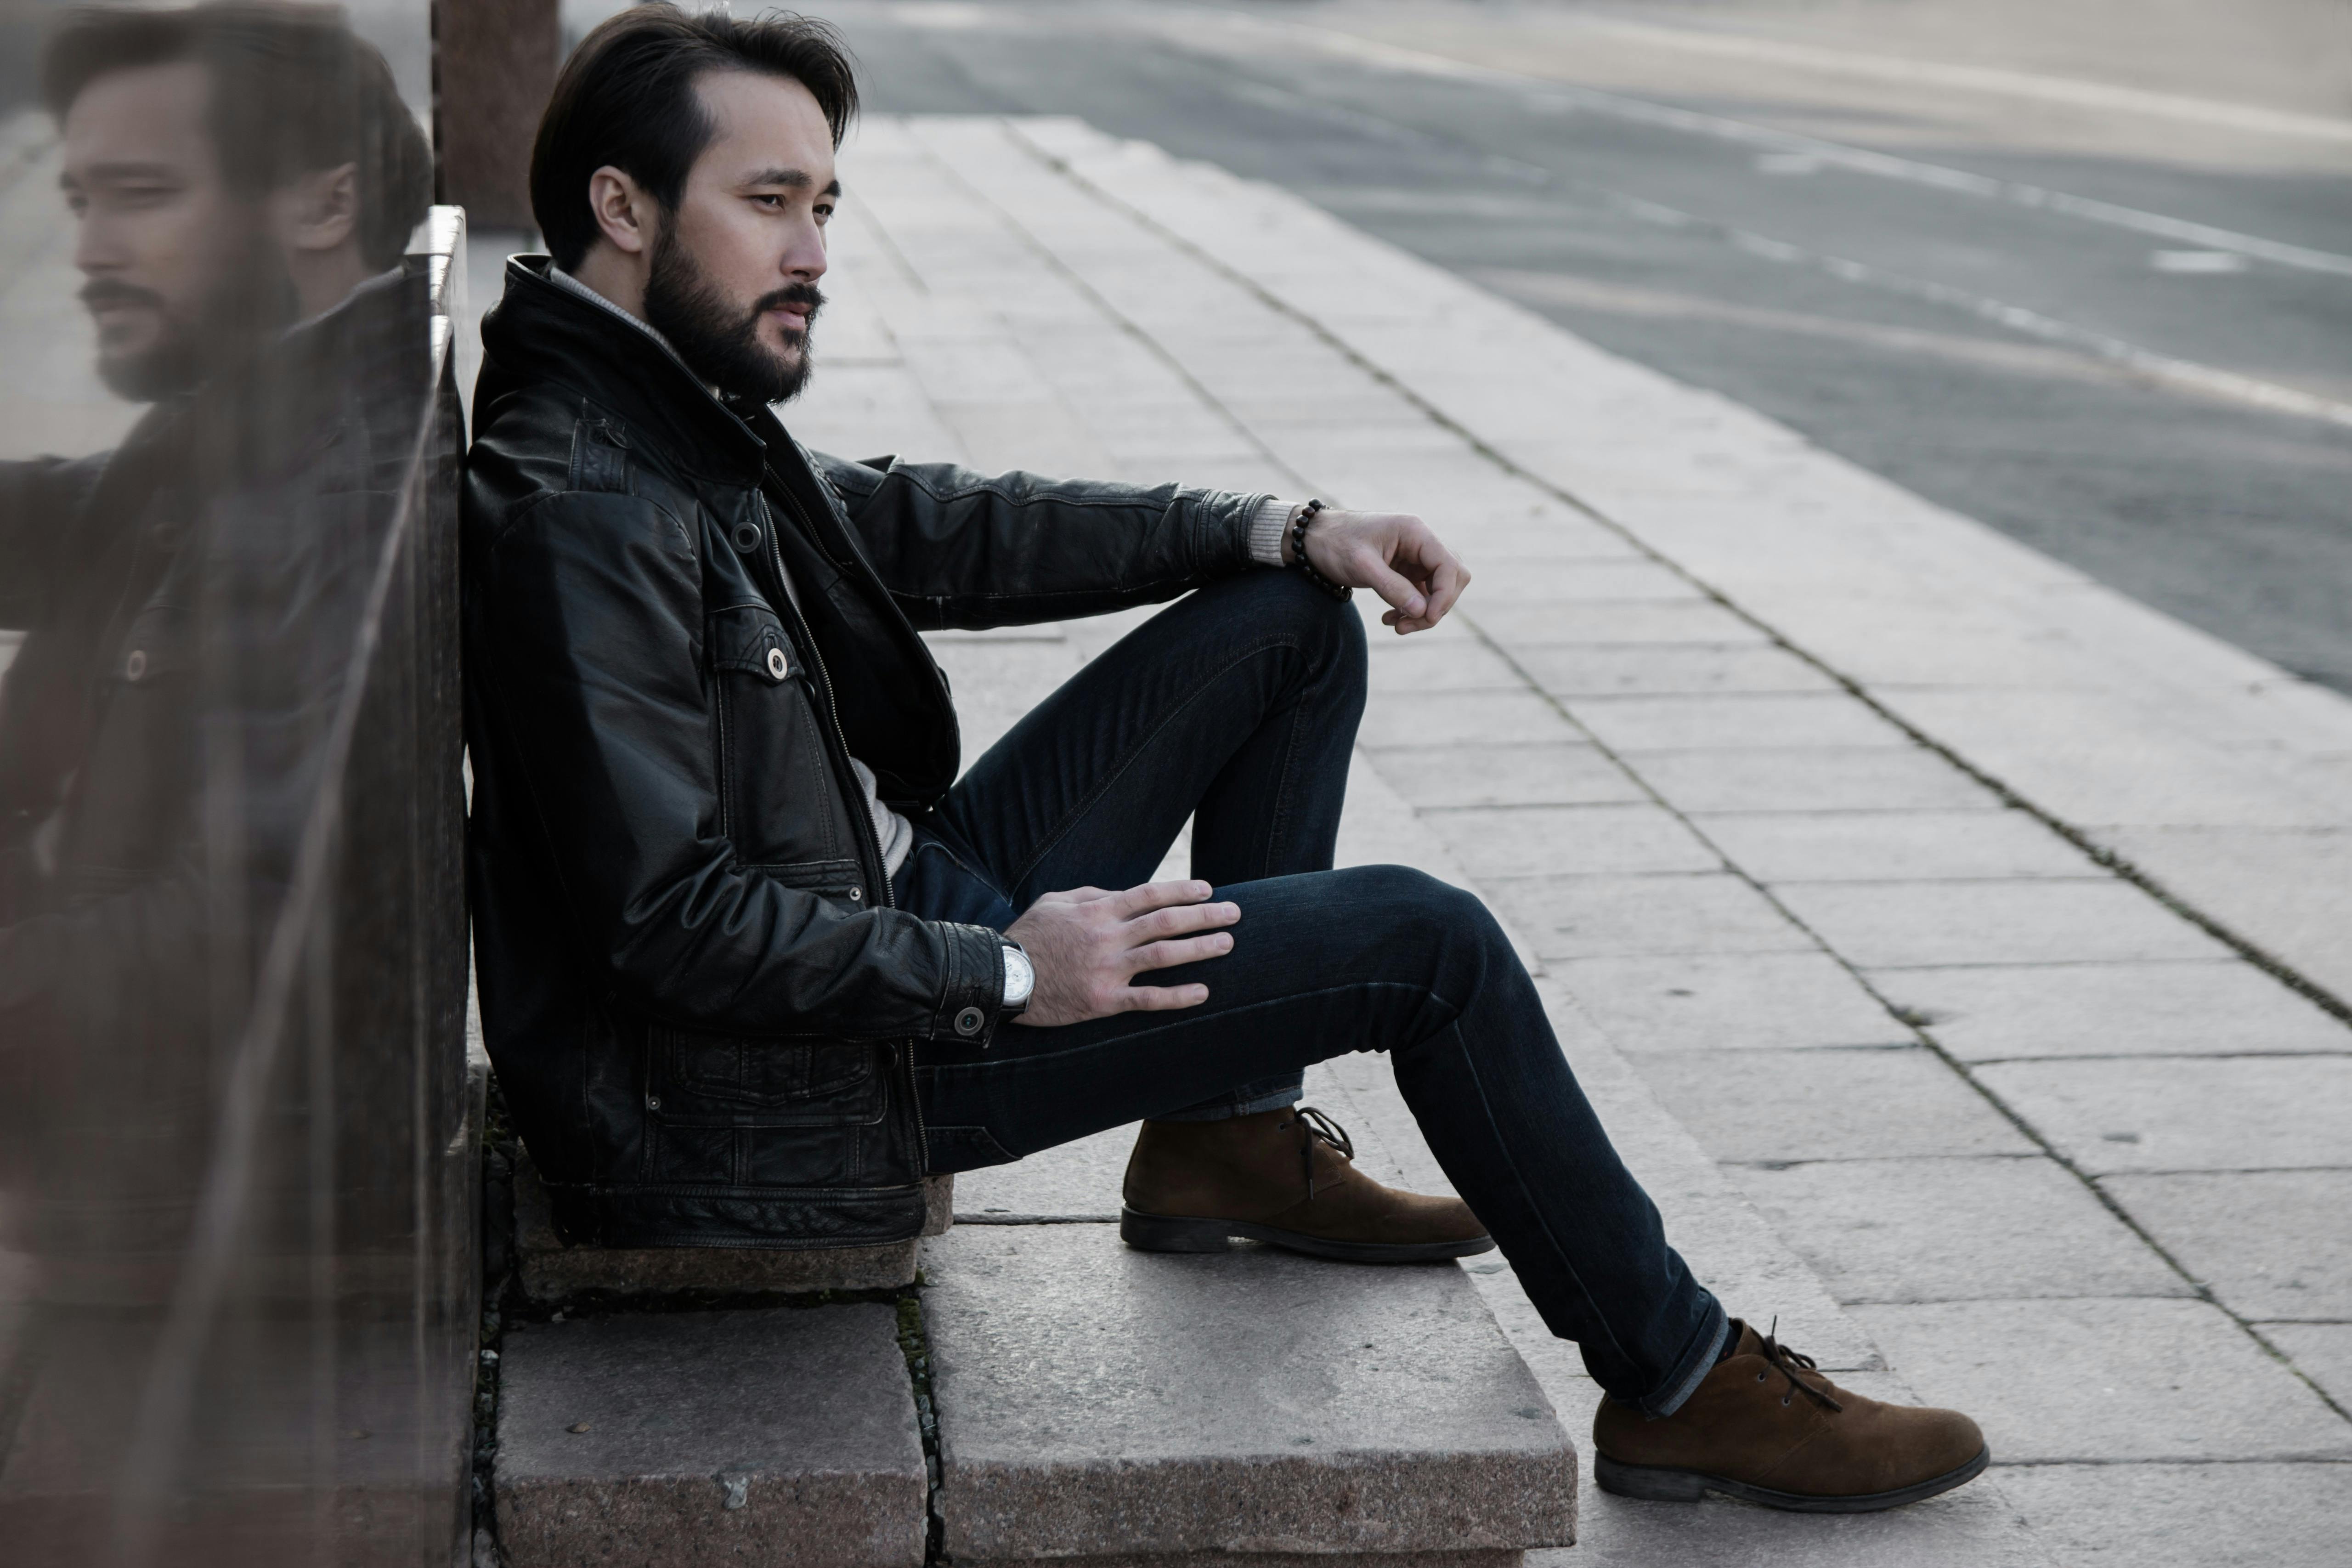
[746,537]
[856,894]
[776,665]
[969,1021]
[653,1102]
[136,665]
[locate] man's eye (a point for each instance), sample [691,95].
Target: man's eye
[824,212]
[773,204]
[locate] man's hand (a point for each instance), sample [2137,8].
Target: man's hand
[1086,944]
[1392,553]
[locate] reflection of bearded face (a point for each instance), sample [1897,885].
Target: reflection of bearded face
[180,275]
[149,347]
[720,342]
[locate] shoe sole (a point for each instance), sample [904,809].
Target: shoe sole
[1656,1484]
[1172,1233]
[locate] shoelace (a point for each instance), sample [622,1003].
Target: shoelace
[1319,1128]
[1788,1363]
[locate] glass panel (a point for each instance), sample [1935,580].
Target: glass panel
[238,1282]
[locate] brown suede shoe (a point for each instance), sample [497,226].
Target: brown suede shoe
[1286,1177]
[1766,1427]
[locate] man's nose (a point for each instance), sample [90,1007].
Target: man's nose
[804,260]
[97,246]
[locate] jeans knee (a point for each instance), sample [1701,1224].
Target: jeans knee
[1434,917]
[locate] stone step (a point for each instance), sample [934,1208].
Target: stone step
[680,1440]
[1100,1405]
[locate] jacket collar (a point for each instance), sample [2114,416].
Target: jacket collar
[541,332]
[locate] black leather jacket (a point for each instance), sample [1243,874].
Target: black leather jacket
[700,1000]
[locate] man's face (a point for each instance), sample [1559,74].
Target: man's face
[733,279]
[173,268]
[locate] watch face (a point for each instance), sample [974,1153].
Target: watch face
[1020,976]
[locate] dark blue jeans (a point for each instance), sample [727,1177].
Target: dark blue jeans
[1237,707]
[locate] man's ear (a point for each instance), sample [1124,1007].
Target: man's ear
[625,212]
[319,211]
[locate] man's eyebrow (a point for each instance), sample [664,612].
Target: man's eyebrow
[121,170]
[793,179]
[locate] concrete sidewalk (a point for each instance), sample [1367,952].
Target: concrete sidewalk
[1953,944]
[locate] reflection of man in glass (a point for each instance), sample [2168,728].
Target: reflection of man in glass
[243,180]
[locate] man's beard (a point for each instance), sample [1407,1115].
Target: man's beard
[254,298]
[718,342]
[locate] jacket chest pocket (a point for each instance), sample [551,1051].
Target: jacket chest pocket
[720,1080]
[778,798]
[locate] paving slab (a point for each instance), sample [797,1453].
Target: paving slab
[550,1272]
[2185,1516]
[1589,671]
[1894,846]
[2290,893]
[1952,1230]
[2113,1381]
[2184,1113]
[2321,1351]
[1900,925]
[1591,917]
[1713,724]
[1352,1410]
[1504,580]
[1775,1107]
[678,1439]
[2217,1007]
[1073,1183]
[1560,772]
[1458,665]
[1454,718]
[1570,840]
[1709,1001]
[1696,622]
[1809,779]
[2270,1244]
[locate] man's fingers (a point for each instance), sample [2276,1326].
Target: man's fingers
[1162,998]
[1074,896]
[1149,895]
[1181,919]
[1445,585]
[1398,591]
[1187,950]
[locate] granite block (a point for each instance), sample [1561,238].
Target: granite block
[1825,778]
[2185,1516]
[1078,1181]
[1097,1402]
[1453,718]
[1570,840]
[1574,672]
[2321,1351]
[2197,1008]
[686,1438]
[2186,1113]
[2269,1243]
[2107,1380]
[1709,1002]
[1709,724]
[1902,925]
[1943,1230]
[1653,623]
[1755,1107]
[1563,772]
[550,1271]
[1893,845]
[1591,917]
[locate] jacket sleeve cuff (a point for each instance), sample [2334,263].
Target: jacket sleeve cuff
[973,1000]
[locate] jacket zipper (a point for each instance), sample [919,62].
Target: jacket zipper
[904,1050]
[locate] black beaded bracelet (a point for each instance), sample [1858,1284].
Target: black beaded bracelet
[1299,554]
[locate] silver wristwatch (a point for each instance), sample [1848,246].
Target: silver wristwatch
[1020,979]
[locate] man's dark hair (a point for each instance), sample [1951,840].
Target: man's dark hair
[626,98]
[293,91]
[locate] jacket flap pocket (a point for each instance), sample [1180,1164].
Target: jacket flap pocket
[751,639]
[741,1081]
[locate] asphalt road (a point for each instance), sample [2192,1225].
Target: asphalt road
[1918,279]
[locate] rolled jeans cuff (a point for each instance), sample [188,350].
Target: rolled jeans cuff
[1267,1094]
[1706,1349]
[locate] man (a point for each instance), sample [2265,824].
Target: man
[243,180]
[752,959]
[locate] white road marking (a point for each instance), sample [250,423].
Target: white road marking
[2196,262]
